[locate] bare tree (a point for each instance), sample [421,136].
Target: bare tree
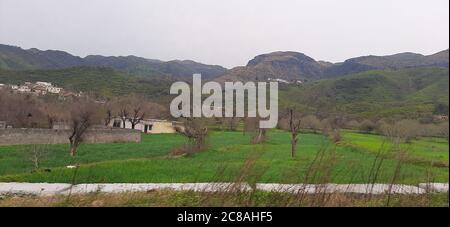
[108,112]
[352,124]
[137,116]
[136,106]
[134,109]
[54,111]
[367,126]
[294,126]
[37,153]
[21,111]
[260,134]
[123,114]
[332,127]
[108,117]
[81,118]
[195,130]
[402,131]
[251,125]
[443,130]
[311,122]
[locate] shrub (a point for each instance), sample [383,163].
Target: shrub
[196,131]
[311,122]
[353,124]
[367,126]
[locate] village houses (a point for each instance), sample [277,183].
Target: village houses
[38,88]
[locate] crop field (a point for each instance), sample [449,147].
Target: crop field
[359,158]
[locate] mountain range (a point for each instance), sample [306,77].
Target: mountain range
[289,66]
[16,59]
[404,85]
[294,66]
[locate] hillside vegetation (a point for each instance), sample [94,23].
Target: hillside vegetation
[98,80]
[18,59]
[404,85]
[409,92]
[293,66]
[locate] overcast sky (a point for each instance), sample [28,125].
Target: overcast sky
[227,32]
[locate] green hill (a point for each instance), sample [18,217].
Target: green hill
[293,66]
[408,92]
[411,93]
[18,59]
[99,80]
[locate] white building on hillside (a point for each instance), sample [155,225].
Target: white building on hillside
[24,88]
[54,90]
[45,84]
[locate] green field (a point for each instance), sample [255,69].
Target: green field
[231,157]
[433,150]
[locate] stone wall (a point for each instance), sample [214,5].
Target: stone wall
[16,136]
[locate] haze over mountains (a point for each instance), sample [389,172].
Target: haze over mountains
[291,66]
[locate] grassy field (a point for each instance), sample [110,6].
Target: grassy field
[433,150]
[232,158]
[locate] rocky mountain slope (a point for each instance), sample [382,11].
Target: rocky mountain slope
[293,66]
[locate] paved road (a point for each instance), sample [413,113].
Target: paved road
[47,189]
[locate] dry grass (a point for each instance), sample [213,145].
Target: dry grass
[168,198]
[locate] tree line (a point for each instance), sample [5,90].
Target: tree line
[77,114]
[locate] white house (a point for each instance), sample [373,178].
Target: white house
[40,91]
[150,126]
[45,84]
[54,90]
[24,88]
[49,87]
